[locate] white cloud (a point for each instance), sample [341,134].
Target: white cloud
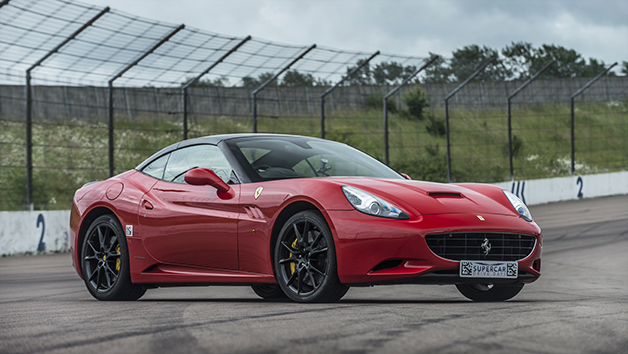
[594,29]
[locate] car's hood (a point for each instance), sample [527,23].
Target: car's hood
[424,198]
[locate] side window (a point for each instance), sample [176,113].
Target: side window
[156,168]
[206,156]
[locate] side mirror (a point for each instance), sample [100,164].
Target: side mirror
[405,176]
[207,177]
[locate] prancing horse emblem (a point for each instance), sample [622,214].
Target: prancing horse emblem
[258,192]
[486,246]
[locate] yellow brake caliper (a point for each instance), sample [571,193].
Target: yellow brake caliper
[118,259]
[293,265]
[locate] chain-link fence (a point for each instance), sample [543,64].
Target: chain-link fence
[105,89]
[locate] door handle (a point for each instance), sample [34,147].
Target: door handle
[147,205]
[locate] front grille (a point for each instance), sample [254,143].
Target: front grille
[468,246]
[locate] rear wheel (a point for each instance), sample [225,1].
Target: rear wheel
[489,292]
[105,262]
[305,260]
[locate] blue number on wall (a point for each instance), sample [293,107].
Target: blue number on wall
[580,182]
[42,244]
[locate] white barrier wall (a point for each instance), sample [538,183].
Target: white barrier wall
[542,191]
[25,232]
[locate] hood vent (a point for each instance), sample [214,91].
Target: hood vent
[445,194]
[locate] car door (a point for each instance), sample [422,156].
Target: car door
[187,224]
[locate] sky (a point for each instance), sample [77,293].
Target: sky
[594,28]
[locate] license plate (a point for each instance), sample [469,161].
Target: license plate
[488,269]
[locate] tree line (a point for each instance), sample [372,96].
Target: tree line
[517,61]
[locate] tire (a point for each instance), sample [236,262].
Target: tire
[269,291]
[489,293]
[305,260]
[105,262]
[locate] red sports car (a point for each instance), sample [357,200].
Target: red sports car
[296,217]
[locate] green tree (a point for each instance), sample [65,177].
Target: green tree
[362,77]
[518,57]
[523,61]
[417,102]
[385,73]
[466,61]
[391,73]
[376,101]
[293,78]
[252,82]
[438,72]
[595,67]
[519,60]
[222,81]
[569,63]
[624,67]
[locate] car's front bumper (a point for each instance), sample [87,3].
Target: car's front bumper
[372,250]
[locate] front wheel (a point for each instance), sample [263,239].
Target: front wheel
[105,262]
[489,292]
[268,291]
[305,260]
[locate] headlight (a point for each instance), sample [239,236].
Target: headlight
[370,204]
[519,206]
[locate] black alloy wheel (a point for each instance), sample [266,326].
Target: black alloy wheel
[305,260]
[105,262]
[489,292]
[269,291]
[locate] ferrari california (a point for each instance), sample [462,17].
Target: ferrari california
[295,217]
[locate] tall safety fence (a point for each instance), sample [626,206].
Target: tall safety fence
[540,132]
[87,92]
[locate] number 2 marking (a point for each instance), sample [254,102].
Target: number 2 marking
[42,245]
[580,182]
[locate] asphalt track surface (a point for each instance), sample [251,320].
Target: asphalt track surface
[580,305]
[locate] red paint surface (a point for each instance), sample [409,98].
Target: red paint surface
[192,235]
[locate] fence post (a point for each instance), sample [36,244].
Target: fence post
[476,73]
[257,90]
[329,90]
[512,174]
[392,92]
[197,78]
[29,104]
[110,87]
[573,97]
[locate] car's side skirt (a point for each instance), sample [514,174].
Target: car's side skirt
[179,274]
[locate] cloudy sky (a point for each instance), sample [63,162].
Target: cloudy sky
[594,28]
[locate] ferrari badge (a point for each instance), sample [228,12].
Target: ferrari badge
[258,192]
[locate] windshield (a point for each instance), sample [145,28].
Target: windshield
[269,158]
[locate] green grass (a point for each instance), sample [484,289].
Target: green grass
[70,153]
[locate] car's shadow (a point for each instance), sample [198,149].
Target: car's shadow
[341,302]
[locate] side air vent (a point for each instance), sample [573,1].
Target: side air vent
[254,213]
[444,194]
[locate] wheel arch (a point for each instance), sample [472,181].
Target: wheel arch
[283,216]
[85,224]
